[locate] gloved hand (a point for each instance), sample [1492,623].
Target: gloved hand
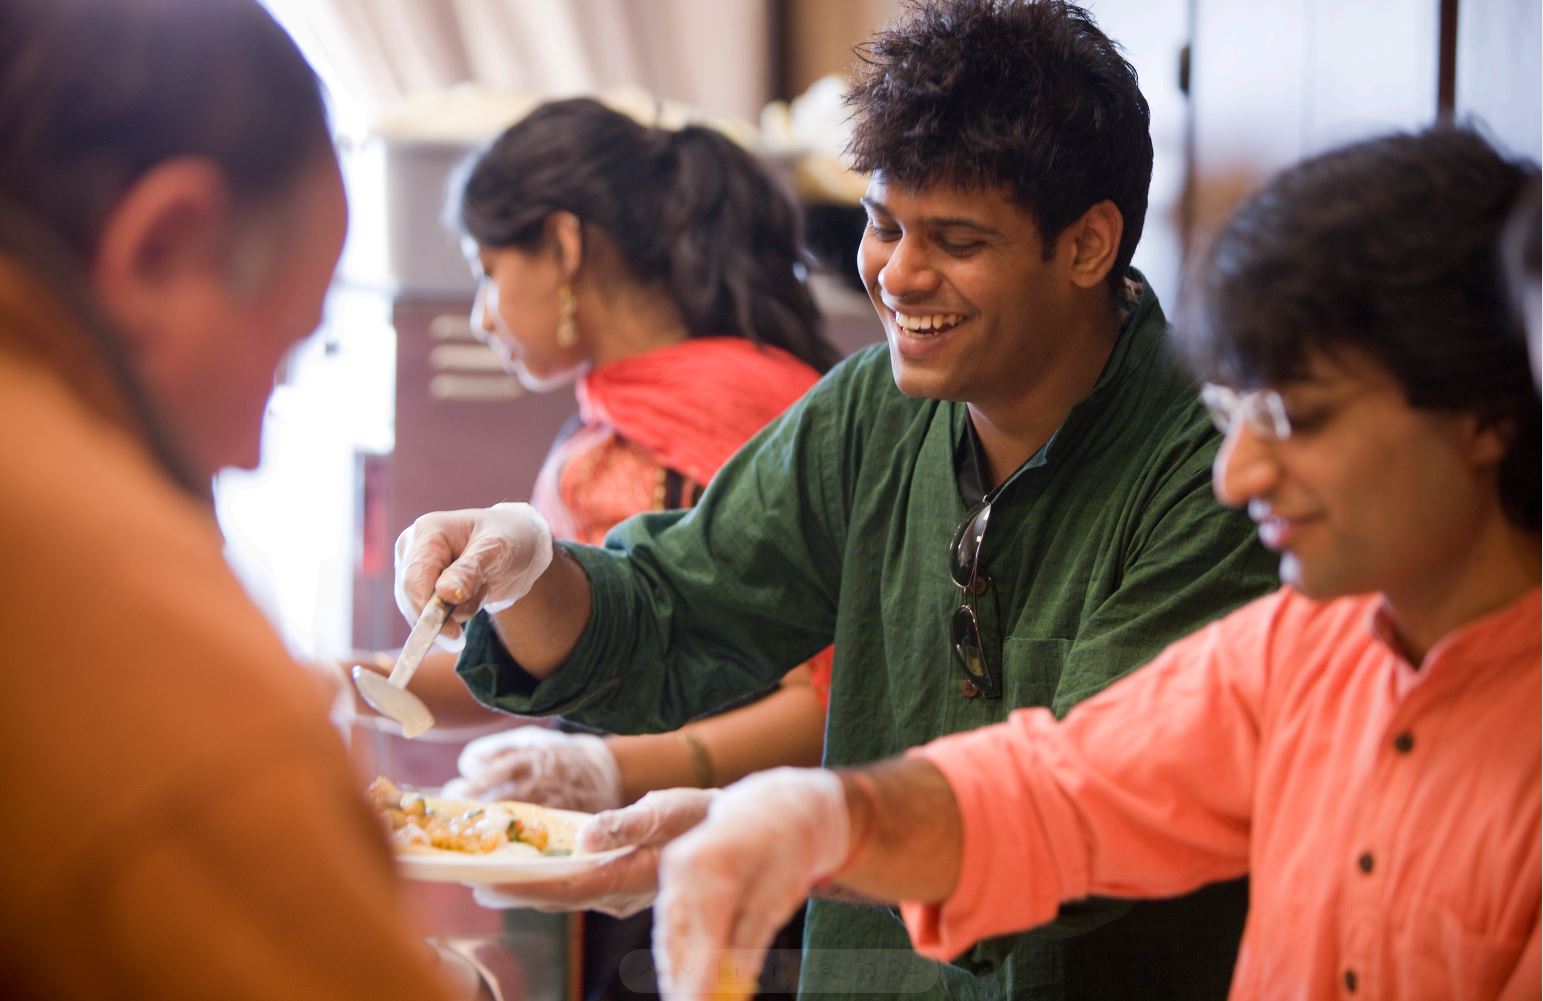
[572,771]
[484,558]
[461,976]
[733,881]
[626,884]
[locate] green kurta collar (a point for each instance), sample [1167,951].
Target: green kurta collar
[1132,347]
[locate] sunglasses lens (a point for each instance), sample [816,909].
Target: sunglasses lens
[967,645]
[966,548]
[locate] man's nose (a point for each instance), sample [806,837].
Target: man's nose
[482,309]
[1245,466]
[909,272]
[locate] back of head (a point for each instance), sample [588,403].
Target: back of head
[688,211]
[100,99]
[1392,248]
[1524,270]
[93,93]
[1024,94]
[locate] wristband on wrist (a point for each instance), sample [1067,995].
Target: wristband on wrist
[701,762]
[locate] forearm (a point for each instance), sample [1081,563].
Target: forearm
[441,689]
[786,727]
[541,629]
[905,838]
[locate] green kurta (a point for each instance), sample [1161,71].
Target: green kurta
[834,524]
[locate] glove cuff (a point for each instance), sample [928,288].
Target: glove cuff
[607,772]
[868,792]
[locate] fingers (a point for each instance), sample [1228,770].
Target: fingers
[687,941]
[478,756]
[619,887]
[423,551]
[512,775]
[657,818]
[732,880]
[463,582]
[613,829]
[766,907]
[532,763]
[692,930]
[715,918]
[472,559]
[697,910]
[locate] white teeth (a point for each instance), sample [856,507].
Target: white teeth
[929,324]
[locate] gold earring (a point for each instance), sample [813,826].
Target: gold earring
[567,326]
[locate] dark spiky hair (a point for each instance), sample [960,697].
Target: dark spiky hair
[1391,248]
[1024,94]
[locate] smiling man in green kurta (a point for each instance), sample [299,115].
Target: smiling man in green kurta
[1008,504]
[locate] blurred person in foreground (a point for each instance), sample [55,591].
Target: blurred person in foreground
[1006,504]
[1364,742]
[183,820]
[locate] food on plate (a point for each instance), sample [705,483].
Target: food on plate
[420,823]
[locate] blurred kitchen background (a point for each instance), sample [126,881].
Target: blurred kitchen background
[393,409]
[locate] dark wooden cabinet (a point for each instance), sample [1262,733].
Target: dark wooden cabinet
[467,435]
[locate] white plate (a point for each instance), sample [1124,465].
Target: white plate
[495,869]
[461,867]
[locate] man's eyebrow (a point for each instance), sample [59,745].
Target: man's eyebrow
[949,222]
[1310,381]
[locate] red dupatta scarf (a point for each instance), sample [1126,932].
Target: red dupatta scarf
[692,404]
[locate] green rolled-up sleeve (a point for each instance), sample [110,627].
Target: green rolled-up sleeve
[691,610]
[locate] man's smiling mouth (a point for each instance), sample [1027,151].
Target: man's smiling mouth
[929,324]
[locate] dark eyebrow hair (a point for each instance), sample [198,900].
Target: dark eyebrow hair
[875,205]
[1312,382]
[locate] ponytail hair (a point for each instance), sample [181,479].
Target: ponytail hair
[688,211]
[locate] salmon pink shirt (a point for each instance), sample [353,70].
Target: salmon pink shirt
[1388,814]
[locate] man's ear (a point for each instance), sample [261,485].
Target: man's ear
[1489,439]
[1092,243]
[162,247]
[567,235]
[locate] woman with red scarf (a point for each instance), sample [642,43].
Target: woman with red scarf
[662,271]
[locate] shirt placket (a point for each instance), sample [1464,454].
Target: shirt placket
[1368,861]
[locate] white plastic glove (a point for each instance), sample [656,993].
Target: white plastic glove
[727,886]
[461,976]
[571,771]
[485,558]
[626,884]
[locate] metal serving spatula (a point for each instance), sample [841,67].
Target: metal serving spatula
[389,695]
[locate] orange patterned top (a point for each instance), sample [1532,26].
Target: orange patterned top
[653,428]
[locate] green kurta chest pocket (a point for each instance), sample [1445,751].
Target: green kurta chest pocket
[1031,669]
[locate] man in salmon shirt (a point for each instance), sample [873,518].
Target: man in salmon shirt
[1364,742]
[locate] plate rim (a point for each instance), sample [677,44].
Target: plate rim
[490,868]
